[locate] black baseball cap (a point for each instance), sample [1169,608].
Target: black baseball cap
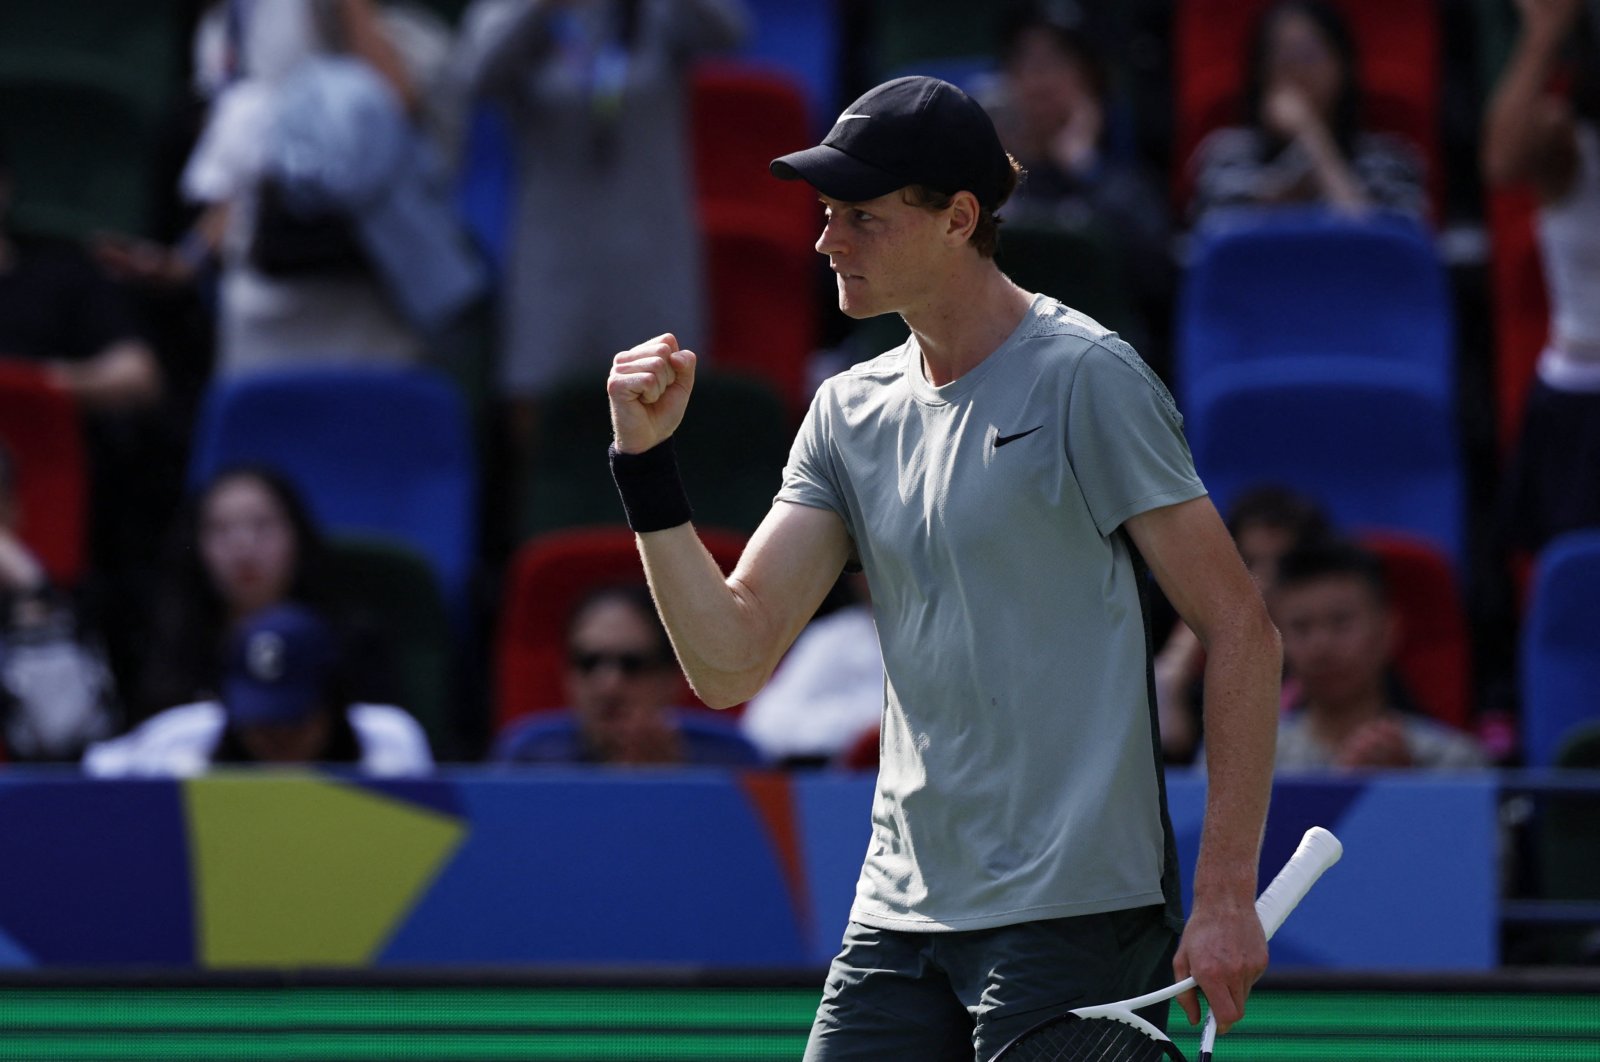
[912,130]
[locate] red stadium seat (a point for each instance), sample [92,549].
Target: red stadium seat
[40,426]
[761,268]
[1434,654]
[762,294]
[1520,304]
[549,576]
[1397,42]
[742,119]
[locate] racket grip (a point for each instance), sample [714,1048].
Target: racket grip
[1318,851]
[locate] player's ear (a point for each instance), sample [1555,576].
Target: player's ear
[963,217]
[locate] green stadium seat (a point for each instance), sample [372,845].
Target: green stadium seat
[1080,265]
[388,588]
[910,34]
[137,48]
[79,153]
[731,448]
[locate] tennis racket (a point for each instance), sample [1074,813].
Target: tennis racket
[1112,1032]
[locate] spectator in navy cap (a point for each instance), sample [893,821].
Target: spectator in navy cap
[282,701]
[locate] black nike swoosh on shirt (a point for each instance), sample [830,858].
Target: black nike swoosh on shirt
[1001,440]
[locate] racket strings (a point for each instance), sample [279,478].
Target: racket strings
[1086,1040]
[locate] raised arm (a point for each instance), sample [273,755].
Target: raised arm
[729,633]
[1198,567]
[1527,133]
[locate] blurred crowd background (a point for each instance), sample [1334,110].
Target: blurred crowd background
[305,307]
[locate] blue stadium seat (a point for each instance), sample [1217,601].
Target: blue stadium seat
[379,451]
[1560,651]
[553,737]
[804,40]
[486,184]
[1314,285]
[1375,442]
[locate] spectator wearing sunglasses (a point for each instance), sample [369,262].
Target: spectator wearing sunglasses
[623,688]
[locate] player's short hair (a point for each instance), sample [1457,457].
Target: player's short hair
[985,237]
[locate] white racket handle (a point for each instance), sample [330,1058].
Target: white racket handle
[1318,851]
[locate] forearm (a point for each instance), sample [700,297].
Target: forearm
[717,631]
[123,377]
[1335,179]
[364,36]
[20,571]
[1243,673]
[1510,134]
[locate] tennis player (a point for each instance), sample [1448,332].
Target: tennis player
[1002,477]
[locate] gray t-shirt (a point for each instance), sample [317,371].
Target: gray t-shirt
[1019,773]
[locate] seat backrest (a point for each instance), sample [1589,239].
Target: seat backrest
[762,294]
[1568,826]
[389,589]
[1434,654]
[381,451]
[731,449]
[912,33]
[72,186]
[40,426]
[549,575]
[1560,650]
[136,49]
[1080,265]
[1519,302]
[742,118]
[1309,285]
[1375,443]
[803,41]
[1398,48]
[485,187]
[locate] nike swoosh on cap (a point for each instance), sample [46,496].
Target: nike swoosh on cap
[848,117]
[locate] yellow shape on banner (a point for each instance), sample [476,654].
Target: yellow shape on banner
[295,870]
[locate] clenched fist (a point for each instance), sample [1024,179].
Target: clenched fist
[649,389]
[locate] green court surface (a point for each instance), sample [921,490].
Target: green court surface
[137,1021]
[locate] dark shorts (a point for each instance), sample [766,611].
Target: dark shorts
[947,996]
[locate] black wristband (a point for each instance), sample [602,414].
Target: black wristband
[652,491]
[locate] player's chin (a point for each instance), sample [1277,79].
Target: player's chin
[856,308]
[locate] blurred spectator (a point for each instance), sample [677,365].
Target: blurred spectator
[283,701]
[55,687]
[1266,523]
[827,690]
[322,202]
[246,544]
[1052,118]
[1551,140]
[58,311]
[606,244]
[1339,635]
[623,685]
[1302,142]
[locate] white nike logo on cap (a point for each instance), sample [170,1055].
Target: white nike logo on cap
[847,117]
